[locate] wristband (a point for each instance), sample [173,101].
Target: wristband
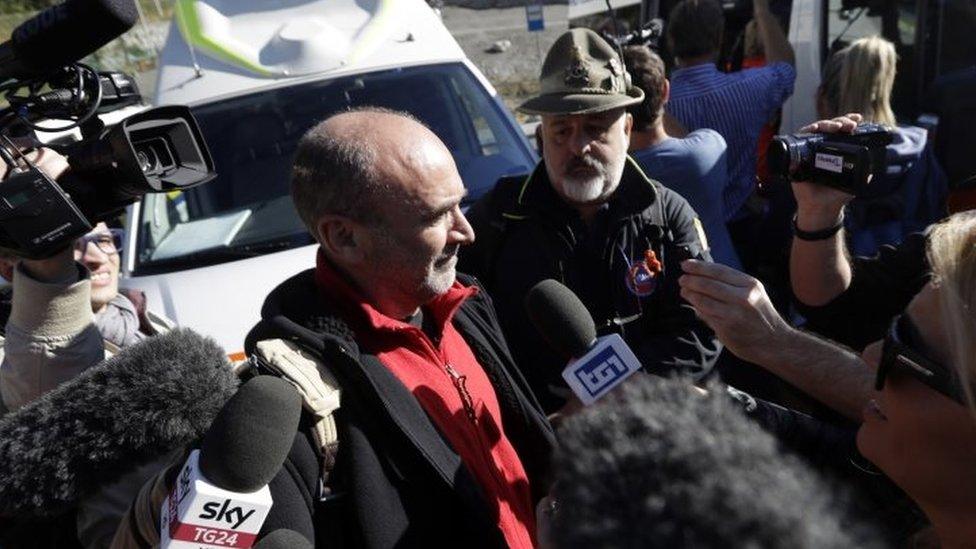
[822,234]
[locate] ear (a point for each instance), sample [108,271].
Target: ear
[341,238]
[538,138]
[665,93]
[628,123]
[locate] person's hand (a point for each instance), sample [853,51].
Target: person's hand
[47,160]
[735,306]
[58,269]
[818,207]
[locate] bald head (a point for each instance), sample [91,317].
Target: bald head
[352,161]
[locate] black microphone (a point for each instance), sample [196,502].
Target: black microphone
[596,364]
[284,538]
[561,318]
[221,497]
[63,34]
[147,400]
[252,435]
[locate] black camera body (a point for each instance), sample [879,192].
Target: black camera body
[157,150]
[844,161]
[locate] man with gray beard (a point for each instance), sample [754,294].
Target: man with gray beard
[589,217]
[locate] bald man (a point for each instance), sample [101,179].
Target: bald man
[441,443]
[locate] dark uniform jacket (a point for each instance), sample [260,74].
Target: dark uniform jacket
[524,233]
[396,480]
[881,287]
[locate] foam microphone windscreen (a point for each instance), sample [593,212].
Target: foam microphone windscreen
[561,318]
[66,32]
[252,435]
[283,538]
[145,401]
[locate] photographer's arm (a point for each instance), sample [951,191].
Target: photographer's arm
[820,270]
[50,335]
[775,43]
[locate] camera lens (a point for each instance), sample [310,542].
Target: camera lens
[779,158]
[144,161]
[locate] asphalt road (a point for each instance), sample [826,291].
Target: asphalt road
[514,72]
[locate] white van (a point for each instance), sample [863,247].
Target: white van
[257,74]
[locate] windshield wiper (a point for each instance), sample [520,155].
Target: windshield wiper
[223,254]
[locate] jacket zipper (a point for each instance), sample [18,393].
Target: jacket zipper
[459,381]
[460,384]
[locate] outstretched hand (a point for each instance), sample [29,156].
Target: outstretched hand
[735,306]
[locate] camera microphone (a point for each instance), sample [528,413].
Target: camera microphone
[596,364]
[62,34]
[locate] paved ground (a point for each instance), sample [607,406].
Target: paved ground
[515,71]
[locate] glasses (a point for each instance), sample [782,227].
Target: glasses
[108,242]
[900,352]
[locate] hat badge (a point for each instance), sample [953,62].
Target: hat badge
[576,73]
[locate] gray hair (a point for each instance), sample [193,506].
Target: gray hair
[336,174]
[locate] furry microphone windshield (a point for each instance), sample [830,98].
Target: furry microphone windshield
[143,402]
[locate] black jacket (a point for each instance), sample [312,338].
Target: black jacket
[526,234]
[881,287]
[397,481]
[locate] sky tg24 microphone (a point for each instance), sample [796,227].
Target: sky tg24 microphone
[198,514]
[221,496]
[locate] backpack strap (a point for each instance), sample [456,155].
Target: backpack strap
[318,388]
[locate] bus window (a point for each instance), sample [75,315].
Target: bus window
[896,21]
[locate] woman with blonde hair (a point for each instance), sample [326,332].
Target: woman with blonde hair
[860,78]
[921,428]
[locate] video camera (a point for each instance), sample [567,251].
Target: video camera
[844,161]
[648,35]
[157,150]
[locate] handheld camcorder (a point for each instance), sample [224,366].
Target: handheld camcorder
[157,150]
[844,161]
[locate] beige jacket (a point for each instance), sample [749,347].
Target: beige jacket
[51,337]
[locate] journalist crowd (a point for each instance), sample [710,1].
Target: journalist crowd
[688,326]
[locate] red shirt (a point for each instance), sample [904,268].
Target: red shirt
[451,387]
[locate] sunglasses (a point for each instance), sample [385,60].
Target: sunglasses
[901,352]
[108,242]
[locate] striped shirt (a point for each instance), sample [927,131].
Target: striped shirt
[736,105]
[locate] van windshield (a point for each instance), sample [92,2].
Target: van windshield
[247,211]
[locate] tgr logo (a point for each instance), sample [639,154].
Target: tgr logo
[600,371]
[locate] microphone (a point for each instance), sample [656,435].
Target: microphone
[63,34]
[145,401]
[596,364]
[221,496]
[284,538]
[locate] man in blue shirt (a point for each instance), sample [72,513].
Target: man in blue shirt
[736,105]
[693,166]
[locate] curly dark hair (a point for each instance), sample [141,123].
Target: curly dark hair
[647,73]
[695,28]
[655,464]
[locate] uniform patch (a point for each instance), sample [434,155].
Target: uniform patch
[642,276]
[700,229]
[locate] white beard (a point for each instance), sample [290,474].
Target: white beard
[588,189]
[583,190]
[439,281]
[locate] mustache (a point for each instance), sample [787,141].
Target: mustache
[584,162]
[449,252]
